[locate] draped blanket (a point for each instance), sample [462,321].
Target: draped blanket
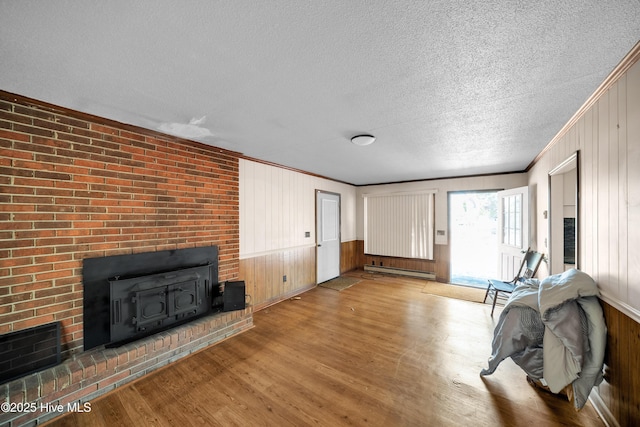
[554,330]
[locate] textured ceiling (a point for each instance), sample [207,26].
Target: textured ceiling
[449,88]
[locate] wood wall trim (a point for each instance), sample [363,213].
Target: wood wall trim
[626,309]
[277,165]
[276,251]
[292,169]
[627,62]
[443,178]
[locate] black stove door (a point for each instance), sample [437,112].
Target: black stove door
[151,308]
[185,298]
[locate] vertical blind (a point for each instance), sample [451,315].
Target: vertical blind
[399,225]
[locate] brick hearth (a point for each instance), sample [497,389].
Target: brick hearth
[93,373]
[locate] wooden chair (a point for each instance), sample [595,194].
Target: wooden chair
[528,269]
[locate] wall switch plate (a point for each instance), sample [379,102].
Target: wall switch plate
[284,278]
[307,234]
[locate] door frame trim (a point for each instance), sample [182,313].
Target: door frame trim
[450,226]
[569,164]
[316,192]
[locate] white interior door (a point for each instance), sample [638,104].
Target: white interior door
[327,236]
[513,226]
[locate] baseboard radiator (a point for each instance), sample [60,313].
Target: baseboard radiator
[400,271]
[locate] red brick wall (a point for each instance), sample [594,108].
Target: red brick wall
[74,186]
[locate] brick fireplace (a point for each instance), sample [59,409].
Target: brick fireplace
[75,186]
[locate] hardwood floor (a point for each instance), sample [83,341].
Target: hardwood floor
[379,353]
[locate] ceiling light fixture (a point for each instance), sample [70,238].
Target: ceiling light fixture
[363,139]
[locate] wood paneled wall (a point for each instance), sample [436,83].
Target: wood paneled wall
[620,391]
[443,263]
[439,265]
[278,230]
[349,256]
[607,135]
[264,275]
[278,212]
[606,131]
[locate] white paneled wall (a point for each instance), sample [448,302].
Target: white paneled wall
[608,137]
[441,187]
[277,207]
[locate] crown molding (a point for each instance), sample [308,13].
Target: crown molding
[627,62]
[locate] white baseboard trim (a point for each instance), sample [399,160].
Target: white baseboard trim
[602,410]
[401,271]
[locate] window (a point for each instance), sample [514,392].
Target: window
[512,220]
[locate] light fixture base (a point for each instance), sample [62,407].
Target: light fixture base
[363,139]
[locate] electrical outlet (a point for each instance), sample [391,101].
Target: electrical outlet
[284,278]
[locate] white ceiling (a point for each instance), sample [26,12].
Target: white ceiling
[449,88]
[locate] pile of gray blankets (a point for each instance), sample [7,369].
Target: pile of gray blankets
[554,330]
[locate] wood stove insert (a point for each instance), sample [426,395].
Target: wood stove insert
[127,297]
[147,303]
